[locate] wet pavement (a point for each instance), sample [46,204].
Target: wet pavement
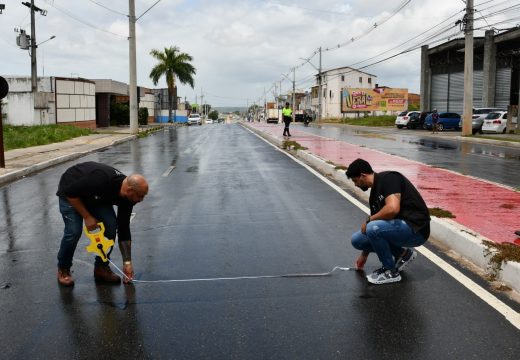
[487,208]
[231,206]
[497,161]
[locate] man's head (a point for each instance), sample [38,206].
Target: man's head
[361,174]
[286,104]
[134,188]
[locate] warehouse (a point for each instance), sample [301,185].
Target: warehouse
[496,72]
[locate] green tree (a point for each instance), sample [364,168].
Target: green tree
[213,115]
[172,64]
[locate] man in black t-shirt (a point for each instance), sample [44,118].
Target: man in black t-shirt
[88,192]
[399,221]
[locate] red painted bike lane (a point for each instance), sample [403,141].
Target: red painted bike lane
[489,209]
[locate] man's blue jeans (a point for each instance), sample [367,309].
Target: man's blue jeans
[74,228]
[387,238]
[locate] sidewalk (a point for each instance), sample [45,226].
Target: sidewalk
[22,162]
[482,210]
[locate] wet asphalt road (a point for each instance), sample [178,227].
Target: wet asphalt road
[232,206]
[500,164]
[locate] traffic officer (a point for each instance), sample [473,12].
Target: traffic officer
[287,118]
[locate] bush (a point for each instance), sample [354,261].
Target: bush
[142,116]
[119,114]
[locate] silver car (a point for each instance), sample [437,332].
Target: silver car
[478,117]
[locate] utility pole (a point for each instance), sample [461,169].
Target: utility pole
[293,92]
[133,72]
[34,75]
[468,70]
[319,89]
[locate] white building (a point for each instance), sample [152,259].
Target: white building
[58,101]
[333,81]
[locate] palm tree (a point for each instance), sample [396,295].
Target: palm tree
[172,64]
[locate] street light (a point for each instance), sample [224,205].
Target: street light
[43,62]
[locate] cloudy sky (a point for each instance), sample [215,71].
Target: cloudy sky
[241,47]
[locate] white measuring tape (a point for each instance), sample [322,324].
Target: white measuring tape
[235,278]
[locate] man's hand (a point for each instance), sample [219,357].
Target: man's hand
[364,228]
[128,269]
[91,223]
[361,260]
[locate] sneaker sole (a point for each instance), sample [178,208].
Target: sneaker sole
[386,281]
[405,265]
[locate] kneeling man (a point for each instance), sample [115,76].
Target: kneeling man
[399,221]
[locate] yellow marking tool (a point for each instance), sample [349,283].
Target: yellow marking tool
[99,244]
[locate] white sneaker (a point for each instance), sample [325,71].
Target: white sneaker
[384,276]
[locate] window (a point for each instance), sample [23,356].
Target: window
[342,77]
[370,80]
[330,94]
[360,79]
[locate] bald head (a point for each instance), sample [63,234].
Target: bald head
[134,188]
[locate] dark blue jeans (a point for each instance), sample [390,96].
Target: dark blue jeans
[74,228]
[387,238]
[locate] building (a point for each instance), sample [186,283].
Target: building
[496,72]
[58,101]
[74,101]
[109,91]
[333,82]
[180,111]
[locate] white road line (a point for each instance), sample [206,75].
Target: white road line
[168,171]
[511,315]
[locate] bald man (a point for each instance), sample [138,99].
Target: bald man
[87,193]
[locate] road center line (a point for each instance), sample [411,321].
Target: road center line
[511,315]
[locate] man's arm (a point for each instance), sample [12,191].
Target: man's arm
[125,240]
[77,204]
[390,210]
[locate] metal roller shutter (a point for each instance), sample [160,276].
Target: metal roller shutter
[503,87]
[456,103]
[439,96]
[478,88]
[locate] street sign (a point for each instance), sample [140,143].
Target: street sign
[4,88]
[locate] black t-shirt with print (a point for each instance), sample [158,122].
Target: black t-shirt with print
[98,184]
[413,209]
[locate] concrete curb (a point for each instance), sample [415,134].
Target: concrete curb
[18,174]
[460,239]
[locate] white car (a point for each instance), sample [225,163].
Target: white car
[477,119]
[402,119]
[495,122]
[209,121]
[194,119]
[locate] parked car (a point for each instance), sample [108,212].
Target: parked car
[495,122]
[417,120]
[209,121]
[477,119]
[447,120]
[220,120]
[194,119]
[402,119]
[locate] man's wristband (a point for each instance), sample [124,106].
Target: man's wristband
[368,219]
[127,263]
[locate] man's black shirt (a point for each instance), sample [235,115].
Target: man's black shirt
[413,209]
[98,184]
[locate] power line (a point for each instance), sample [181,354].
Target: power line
[74,17]
[353,39]
[107,8]
[150,8]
